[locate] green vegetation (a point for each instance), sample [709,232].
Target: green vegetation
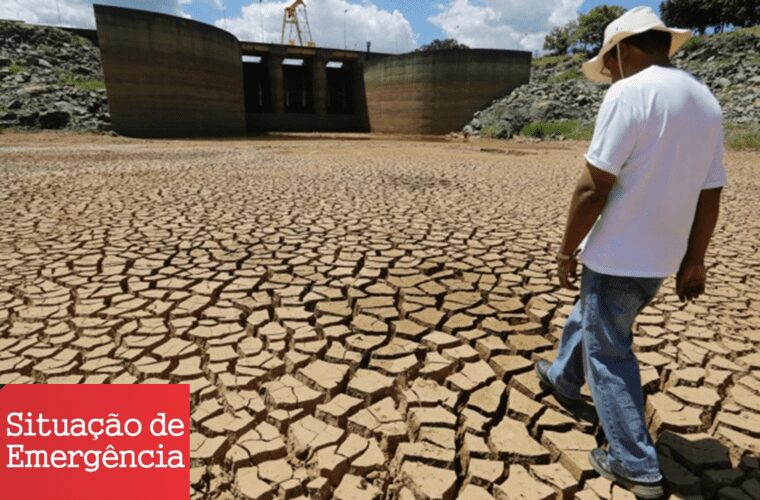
[447,44]
[81,83]
[16,68]
[549,60]
[81,41]
[698,40]
[717,14]
[590,31]
[561,38]
[752,30]
[540,62]
[585,33]
[570,129]
[743,137]
[571,74]
[694,43]
[89,84]
[491,131]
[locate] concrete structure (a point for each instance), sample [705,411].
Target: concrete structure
[437,92]
[302,89]
[168,77]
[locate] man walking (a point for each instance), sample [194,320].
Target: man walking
[649,197]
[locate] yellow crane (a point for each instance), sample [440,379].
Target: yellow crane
[291,18]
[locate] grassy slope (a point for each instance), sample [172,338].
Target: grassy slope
[744,137]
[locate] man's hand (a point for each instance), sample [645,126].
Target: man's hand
[690,281]
[588,201]
[566,269]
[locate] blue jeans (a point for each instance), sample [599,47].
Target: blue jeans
[596,348]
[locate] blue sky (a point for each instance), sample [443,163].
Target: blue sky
[418,13]
[391,25]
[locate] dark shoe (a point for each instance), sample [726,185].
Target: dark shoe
[598,459]
[542,370]
[578,407]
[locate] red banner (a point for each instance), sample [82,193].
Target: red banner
[94,442]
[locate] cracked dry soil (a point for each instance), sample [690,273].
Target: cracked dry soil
[359,318]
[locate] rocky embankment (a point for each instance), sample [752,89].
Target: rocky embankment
[728,63]
[50,79]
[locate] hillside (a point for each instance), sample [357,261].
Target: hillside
[559,101]
[50,79]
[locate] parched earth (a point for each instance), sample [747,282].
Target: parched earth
[358,319]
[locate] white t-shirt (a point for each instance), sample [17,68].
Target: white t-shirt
[660,132]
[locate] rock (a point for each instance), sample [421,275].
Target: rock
[554,93]
[52,63]
[29,119]
[54,119]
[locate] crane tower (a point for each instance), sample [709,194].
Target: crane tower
[296,19]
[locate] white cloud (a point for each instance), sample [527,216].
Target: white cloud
[78,13]
[389,31]
[504,24]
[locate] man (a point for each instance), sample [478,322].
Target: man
[651,191]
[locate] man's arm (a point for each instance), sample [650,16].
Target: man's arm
[690,281]
[588,201]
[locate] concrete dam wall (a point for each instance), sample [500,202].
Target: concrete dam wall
[173,77]
[170,77]
[437,92]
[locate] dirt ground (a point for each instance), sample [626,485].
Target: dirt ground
[359,318]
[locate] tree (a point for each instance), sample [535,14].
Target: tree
[696,15]
[590,32]
[741,13]
[561,38]
[446,44]
[699,15]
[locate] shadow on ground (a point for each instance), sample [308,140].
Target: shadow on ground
[697,465]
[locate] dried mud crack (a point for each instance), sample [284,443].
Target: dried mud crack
[359,319]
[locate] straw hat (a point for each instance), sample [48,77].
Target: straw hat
[635,21]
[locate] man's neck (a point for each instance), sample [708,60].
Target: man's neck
[643,64]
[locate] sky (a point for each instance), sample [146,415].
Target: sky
[393,26]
